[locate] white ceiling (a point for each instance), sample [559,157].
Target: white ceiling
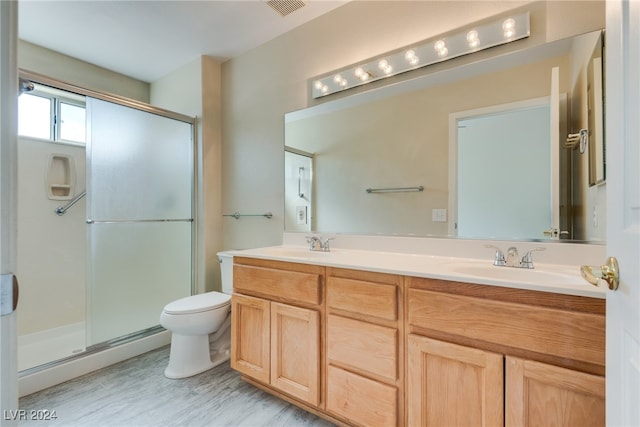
[148,39]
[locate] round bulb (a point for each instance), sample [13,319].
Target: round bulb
[472,38]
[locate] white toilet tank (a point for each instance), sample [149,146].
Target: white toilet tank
[226,271]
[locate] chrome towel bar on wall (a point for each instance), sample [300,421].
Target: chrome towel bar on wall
[237,215]
[395,190]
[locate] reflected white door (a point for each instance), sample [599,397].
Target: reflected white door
[623,210]
[8,160]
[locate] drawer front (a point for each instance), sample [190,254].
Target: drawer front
[361,400]
[364,346]
[361,297]
[293,286]
[564,334]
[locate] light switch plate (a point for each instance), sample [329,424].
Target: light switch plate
[301,214]
[439,215]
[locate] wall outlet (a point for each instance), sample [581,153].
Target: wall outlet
[301,214]
[439,215]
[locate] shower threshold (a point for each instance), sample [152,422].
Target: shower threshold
[61,345]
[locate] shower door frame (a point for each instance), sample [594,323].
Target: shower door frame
[138,105]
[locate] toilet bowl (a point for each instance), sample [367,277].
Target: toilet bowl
[199,326]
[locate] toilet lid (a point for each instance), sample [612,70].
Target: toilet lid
[198,303]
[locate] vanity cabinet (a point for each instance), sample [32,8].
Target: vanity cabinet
[276,312]
[464,336]
[364,348]
[365,369]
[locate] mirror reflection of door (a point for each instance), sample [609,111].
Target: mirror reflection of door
[298,189]
[506,194]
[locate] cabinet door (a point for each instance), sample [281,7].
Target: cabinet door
[250,336]
[452,385]
[541,394]
[295,355]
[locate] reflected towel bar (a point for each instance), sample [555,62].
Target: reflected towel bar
[60,210]
[237,215]
[395,190]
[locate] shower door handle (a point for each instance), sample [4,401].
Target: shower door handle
[8,294]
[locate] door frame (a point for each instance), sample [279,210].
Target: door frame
[8,208]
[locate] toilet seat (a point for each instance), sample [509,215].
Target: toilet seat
[198,303]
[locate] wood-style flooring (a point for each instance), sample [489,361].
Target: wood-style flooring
[136,393]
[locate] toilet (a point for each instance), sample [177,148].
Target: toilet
[200,327]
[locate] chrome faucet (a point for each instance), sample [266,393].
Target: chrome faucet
[318,243]
[513,259]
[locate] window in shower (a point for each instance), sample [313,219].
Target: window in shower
[49,113]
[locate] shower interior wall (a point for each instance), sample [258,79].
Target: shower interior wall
[51,252]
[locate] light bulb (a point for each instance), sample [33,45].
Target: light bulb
[441,48]
[509,28]
[318,84]
[411,57]
[385,66]
[359,72]
[472,38]
[337,78]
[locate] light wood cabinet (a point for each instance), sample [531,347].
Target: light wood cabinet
[274,341]
[365,347]
[250,332]
[373,349]
[463,337]
[295,355]
[541,394]
[453,385]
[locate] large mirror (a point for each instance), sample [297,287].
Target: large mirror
[403,159]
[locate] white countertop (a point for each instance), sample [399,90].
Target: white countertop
[556,278]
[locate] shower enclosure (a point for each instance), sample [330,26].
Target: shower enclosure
[97,270]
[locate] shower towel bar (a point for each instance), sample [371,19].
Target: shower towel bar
[395,190]
[60,210]
[237,215]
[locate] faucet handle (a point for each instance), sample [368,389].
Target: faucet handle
[499,259]
[527,259]
[324,243]
[314,242]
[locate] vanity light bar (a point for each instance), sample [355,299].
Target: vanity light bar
[432,51]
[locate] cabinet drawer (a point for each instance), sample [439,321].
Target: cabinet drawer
[293,286]
[361,400]
[364,346]
[559,333]
[361,297]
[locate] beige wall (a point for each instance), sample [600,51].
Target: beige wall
[61,67]
[262,85]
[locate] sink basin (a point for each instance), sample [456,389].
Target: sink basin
[294,252]
[519,275]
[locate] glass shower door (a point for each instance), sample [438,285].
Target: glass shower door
[140,178]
